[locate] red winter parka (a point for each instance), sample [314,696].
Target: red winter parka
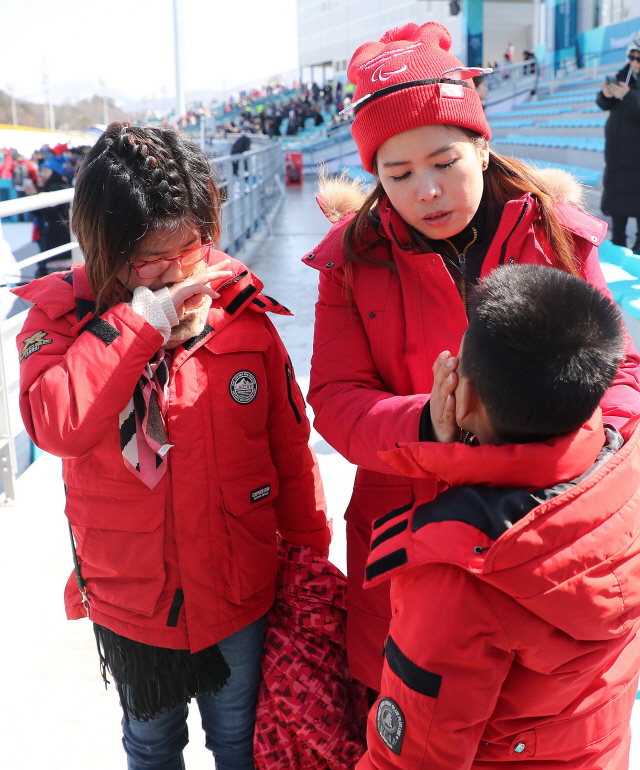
[371,371]
[514,637]
[193,560]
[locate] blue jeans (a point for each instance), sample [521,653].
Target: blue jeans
[228,718]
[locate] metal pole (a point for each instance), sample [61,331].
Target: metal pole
[45,80]
[177,28]
[45,84]
[105,104]
[14,111]
[49,106]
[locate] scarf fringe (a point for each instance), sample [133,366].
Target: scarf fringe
[150,679]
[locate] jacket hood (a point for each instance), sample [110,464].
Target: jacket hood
[569,553]
[341,195]
[531,466]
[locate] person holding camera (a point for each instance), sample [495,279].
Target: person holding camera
[621,97]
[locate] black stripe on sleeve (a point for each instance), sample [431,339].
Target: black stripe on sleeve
[396,529]
[238,277]
[176,606]
[102,330]
[386,563]
[491,510]
[240,298]
[391,515]
[193,341]
[84,307]
[416,678]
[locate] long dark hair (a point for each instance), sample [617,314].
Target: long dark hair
[132,182]
[505,179]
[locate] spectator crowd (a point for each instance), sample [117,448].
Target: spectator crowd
[284,112]
[49,169]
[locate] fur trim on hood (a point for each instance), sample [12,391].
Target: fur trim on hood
[341,195]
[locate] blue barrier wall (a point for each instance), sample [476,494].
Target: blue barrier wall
[609,43]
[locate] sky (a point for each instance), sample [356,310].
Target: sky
[128,45]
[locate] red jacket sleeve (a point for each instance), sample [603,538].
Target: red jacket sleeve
[622,400]
[353,409]
[447,656]
[72,388]
[300,505]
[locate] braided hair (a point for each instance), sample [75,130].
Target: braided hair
[134,181]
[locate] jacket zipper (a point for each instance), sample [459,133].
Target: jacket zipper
[287,369]
[462,261]
[503,251]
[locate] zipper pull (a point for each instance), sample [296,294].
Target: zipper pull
[462,259]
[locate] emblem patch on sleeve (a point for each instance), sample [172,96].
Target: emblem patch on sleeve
[243,387]
[390,724]
[33,344]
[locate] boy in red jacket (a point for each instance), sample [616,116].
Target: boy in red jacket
[515,593]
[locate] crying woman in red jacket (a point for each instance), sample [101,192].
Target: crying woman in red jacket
[515,594]
[155,373]
[396,269]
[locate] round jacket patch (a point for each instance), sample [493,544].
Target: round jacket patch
[390,724]
[243,387]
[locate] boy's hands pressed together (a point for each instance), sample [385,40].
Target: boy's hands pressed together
[442,402]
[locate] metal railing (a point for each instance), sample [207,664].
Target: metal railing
[10,419]
[250,195]
[509,81]
[329,144]
[252,187]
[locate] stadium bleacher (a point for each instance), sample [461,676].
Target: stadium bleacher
[531,111]
[588,143]
[568,108]
[575,122]
[568,129]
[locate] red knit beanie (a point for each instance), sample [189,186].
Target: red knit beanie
[401,85]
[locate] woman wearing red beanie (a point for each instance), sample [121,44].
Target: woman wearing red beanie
[395,272]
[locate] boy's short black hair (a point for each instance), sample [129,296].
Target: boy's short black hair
[541,349]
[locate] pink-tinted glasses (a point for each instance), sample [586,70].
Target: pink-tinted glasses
[157,267]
